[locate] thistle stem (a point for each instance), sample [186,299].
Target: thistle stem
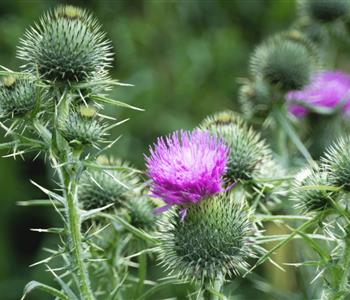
[75,236]
[212,290]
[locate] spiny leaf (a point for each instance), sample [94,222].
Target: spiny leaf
[33,285]
[106,100]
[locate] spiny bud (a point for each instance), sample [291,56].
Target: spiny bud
[337,163]
[66,45]
[325,10]
[283,63]
[141,212]
[313,198]
[247,151]
[98,188]
[79,129]
[315,32]
[213,239]
[17,96]
[254,97]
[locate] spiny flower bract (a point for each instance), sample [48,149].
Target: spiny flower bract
[283,63]
[313,199]
[98,188]
[66,45]
[79,129]
[337,162]
[248,151]
[186,167]
[327,89]
[141,212]
[17,96]
[214,239]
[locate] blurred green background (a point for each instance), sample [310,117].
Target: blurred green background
[183,58]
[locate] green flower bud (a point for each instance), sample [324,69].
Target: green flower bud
[283,63]
[17,96]
[79,129]
[254,97]
[100,188]
[213,239]
[315,199]
[248,152]
[337,162]
[141,212]
[325,10]
[66,45]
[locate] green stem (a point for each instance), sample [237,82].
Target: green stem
[142,271]
[212,290]
[341,288]
[74,230]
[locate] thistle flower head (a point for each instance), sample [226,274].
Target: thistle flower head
[312,200]
[247,151]
[66,45]
[283,63]
[324,10]
[214,238]
[99,188]
[186,167]
[337,163]
[327,89]
[17,96]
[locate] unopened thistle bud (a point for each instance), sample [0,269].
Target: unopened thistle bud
[214,239]
[325,10]
[99,188]
[79,129]
[141,212]
[248,151]
[283,63]
[337,163]
[17,96]
[66,45]
[306,192]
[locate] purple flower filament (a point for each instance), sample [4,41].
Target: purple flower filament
[186,167]
[327,90]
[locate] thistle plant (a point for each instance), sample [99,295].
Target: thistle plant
[205,205]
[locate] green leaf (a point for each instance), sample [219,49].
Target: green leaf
[33,285]
[137,232]
[106,100]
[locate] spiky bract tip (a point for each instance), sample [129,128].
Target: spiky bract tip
[214,238]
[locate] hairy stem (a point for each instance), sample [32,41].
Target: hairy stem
[74,229]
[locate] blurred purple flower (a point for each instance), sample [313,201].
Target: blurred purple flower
[186,167]
[326,90]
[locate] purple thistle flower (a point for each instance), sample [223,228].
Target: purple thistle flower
[328,89]
[186,167]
